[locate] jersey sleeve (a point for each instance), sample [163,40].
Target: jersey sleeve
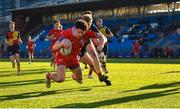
[50,33]
[94,28]
[63,35]
[33,42]
[19,35]
[91,34]
[6,36]
[107,30]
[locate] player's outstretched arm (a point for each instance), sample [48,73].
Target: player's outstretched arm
[109,33]
[6,41]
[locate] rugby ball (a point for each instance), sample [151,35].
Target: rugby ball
[66,51]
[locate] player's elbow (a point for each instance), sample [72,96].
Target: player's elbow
[57,46]
[48,37]
[6,42]
[54,48]
[111,35]
[104,39]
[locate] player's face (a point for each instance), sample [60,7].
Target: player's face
[89,24]
[11,25]
[98,23]
[57,25]
[79,33]
[29,38]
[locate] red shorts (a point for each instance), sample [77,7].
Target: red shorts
[71,64]
[31,51]
[136,50]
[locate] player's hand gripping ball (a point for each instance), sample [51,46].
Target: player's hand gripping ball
[66,47]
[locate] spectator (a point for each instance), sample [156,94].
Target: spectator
[168,52]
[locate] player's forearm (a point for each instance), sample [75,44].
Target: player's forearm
[57,46]
[110,34]
[48,37]
[20,41]
[6,42]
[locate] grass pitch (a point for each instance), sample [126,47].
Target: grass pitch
[136,83]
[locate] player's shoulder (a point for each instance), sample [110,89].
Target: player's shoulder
[67,32]
[89,32]
[60,30]
[32,41]
[94,28]
[52,30]
[16,31]
[8,32]
[103,27]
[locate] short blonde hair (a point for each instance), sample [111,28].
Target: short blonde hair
[87,18]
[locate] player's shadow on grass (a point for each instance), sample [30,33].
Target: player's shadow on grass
[21,83]
[122,99]
[33,95]
[171,72]
[28,82]
[29,70]
[24,72]
[156,86]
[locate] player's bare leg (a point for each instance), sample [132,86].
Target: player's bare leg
[29,58]
[52,64]
[18,63]
[102,78]
[85,66]
[88,60]
[90,73]
[13,60]
[59,76]
[102,58]
[77,74]
[32,57]
[94,55]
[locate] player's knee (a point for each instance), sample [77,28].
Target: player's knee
[17,60]
[18,63]
[12,60]
[92,53]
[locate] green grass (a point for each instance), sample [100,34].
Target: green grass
[143,83]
